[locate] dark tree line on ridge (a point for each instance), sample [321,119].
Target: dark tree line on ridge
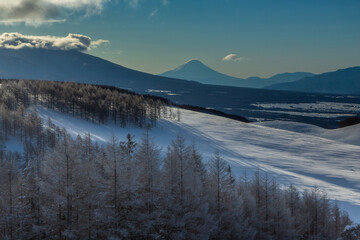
[90,102]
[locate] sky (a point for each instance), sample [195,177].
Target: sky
[241,38]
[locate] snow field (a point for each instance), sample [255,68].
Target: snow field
[291,157]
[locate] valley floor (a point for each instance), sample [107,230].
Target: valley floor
[305,158]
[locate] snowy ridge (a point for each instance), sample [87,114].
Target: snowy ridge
[349,135]
[293,158]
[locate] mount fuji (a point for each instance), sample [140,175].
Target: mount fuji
[195,70]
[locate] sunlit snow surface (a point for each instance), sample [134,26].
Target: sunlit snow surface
[350,135]
[291,156]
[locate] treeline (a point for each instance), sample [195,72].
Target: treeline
[76,189]
[95,103]
[19,118]
[349,122]
[16,120]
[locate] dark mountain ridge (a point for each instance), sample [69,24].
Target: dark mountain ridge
[343,81]
[40,64]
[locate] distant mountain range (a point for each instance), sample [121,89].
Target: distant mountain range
[84,68]
[80,67]
[197,71]
[343,81]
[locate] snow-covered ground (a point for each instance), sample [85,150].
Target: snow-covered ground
[295,157]
[350,135]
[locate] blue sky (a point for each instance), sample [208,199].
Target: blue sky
[154,36]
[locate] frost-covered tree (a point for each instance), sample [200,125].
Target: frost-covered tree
[351,232]
[9,198]
[61,180]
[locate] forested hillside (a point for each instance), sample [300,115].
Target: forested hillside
[74,189]
[65,188]
[90,102]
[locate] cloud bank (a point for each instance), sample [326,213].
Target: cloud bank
[233,57]
[72,41]
[37,12]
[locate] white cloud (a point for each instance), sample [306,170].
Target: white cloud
[233,57]
[70,42]
[99,42]
[37,12]
[153,13]
[133,3]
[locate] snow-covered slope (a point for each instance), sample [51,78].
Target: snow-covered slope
[291,157]
[293,127]
[350,135]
